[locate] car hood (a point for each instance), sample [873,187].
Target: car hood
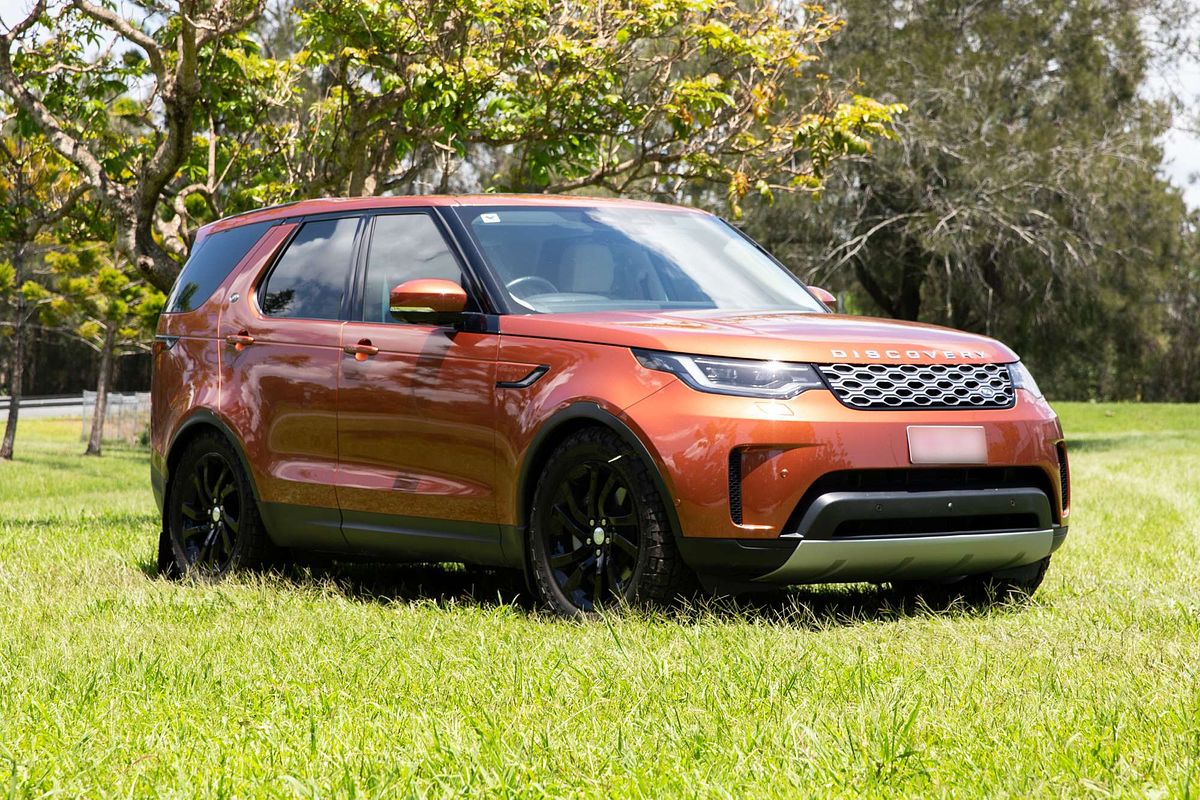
[785,336]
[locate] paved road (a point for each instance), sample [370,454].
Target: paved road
[45,412]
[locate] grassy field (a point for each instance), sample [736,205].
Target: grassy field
[420,682]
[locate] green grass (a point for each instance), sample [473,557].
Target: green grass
[400,682]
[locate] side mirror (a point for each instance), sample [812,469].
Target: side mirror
[427,297]
[825,297]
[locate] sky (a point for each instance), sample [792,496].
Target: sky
[1181,145]
[1182,149]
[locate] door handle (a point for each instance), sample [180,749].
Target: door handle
[361,351]
[240,340]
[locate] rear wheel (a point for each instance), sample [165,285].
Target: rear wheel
[212,523]
[599,534]
[1009,585]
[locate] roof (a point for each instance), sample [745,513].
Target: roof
[325,205]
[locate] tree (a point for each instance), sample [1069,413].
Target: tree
[1178,371]
[636,96]
[1022,199]
[37,189]
[95,299]
[72,71]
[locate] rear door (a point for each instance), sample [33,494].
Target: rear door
[416,433]
[280,354]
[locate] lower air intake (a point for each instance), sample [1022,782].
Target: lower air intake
[735,486]
[1064,477]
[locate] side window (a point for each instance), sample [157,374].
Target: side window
[404,247]
[210,263]
[309,279]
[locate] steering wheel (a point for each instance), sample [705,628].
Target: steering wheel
[537,280]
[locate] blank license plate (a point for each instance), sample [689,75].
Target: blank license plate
[947,444]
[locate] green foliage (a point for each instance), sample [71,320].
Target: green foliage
[117,91]
[1022,197]
[93,294]
[638,96]
[1019,196]
[8,278]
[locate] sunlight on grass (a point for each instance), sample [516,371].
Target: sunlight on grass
[401,681]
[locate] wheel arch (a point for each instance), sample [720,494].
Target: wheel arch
[200,422]
[557,428]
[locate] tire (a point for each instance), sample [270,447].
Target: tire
[1014,585]
[212,524]
[599,531]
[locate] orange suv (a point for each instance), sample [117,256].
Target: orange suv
[622,399]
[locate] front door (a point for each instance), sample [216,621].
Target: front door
[416,438]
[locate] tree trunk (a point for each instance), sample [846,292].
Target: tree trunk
[18,373]
[874,289]
[96,439]
[17,370]
[912,276]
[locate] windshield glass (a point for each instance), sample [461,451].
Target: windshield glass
[554,260]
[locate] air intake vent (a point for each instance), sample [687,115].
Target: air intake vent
[916,386]
[735,486]
[1064,475]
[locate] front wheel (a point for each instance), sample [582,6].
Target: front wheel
[1010,585]
[212,525]
[599,534]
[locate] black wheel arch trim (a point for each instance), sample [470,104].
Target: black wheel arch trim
[587,411]
[204,416]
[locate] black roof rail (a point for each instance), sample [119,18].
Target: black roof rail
[257,210]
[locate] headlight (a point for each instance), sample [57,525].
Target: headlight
[737,376]
[1022,379]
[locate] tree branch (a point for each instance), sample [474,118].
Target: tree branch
[110,19]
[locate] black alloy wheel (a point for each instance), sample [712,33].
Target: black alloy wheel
[600,535]
[593,535]
[213,527]
[211,511]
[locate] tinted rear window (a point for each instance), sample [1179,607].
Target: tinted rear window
[211,263]
[310,277]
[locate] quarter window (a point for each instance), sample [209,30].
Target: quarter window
[404,247]
[210,263]
[309,280]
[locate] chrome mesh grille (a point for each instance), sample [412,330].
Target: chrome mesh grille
[886,386]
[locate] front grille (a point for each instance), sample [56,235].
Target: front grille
[932,386]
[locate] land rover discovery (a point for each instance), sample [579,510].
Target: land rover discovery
[621,399]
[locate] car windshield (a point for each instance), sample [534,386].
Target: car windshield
[622,258]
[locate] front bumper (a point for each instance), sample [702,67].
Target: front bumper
[794,560]
[908,557]
[811,491]
[738,468]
